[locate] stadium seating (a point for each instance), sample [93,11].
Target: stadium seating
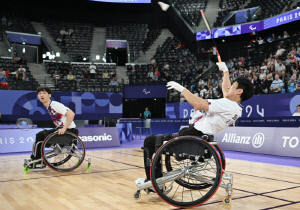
[190,10]
[78,43]
[135,35]
[93,85]
[19,23]
[10,68]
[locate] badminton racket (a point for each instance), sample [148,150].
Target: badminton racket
[212,37]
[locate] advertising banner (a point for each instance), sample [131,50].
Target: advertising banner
[17,140]
[251,27]
[87,106]
[272,141]
[22,37]
[116,43]
[145,91]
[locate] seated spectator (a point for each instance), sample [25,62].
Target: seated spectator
[168,77]
[113,82]
[178,45]
[3,78]
[280,70]
[152,61]
[150,74]
[50,66]
[21,70]
[279,52]
[86,75]
[15,59]
[210,93]
[70,32]
[210,81]
[201,82]
[22,60]
[1,71]
[24,76]
[188,77]
[276,85]
[298,84]
[262,74]
[173,59]
[70,66]
[129,67]
[57,65]
[203,91]
[259,40]
[64,68]
[273,38]
[184,53]
[240,62]
[195,92]
[166,66]
[113,73]
[105,74]
[285,35]
[92,70]
[56,76]
[156,74]
[257,86]
[10,23]
[264,66]
[4,20]
[292,82]
[70,76]
[137,67]
[230,64]
[63,32]
[58,39]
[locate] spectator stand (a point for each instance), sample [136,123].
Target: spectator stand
[78,83]
[16,23]
[75,39]
[17,82]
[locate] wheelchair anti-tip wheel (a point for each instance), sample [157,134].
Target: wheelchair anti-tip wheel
[195,163]
[63,152]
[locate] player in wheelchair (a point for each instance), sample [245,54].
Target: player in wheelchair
[186,169]
[60,148]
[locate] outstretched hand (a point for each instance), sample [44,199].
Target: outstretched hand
[174,85]
[222,67]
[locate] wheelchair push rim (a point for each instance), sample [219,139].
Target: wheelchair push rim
[63,157]
[193,166]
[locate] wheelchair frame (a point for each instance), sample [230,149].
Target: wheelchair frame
[226,181]
[39,163]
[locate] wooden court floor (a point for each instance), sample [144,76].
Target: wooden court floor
[109,184]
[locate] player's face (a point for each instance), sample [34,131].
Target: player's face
[233,90]
[44,97]
[298,109]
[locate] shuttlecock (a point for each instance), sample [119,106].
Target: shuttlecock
[163,6]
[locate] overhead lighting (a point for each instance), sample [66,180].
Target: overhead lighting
[116,48]
[84,59]
[104,59]
[39,33]
[24,50]
[57,54]
[23,42]
[44,56]
[9,50]
[50,57]
[48,53]
[97,57]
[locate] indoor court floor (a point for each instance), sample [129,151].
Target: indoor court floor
[110,184]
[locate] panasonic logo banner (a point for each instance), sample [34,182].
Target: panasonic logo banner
[100,136]
[103,137]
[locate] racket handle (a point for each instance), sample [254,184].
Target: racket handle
[219,58]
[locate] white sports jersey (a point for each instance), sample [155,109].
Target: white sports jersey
[194,116]
[221,113]
[58,112]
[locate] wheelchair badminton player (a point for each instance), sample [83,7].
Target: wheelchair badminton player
[212,117]
[61,115]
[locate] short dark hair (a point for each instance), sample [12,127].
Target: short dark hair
[246,85]
[298,105]
[43,88]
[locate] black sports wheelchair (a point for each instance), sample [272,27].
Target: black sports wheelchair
[59,152]
[192,170]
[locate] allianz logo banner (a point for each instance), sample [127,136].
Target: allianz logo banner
[263,140]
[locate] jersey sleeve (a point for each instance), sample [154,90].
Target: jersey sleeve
[60,108]
[220,105]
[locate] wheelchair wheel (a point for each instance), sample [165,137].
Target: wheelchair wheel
[188,185]
[63,152]
[183,186]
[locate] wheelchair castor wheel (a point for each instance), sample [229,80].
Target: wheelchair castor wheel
[137,196]
[26,169]
[88,166]
[227,200]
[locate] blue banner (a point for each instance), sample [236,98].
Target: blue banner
[87,106]
[272,105]
[145,91]
[269,122]
[20,38]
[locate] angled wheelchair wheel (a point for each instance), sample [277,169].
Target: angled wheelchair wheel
[63,152]
[195,175]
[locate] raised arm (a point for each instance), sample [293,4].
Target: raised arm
[226,84]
